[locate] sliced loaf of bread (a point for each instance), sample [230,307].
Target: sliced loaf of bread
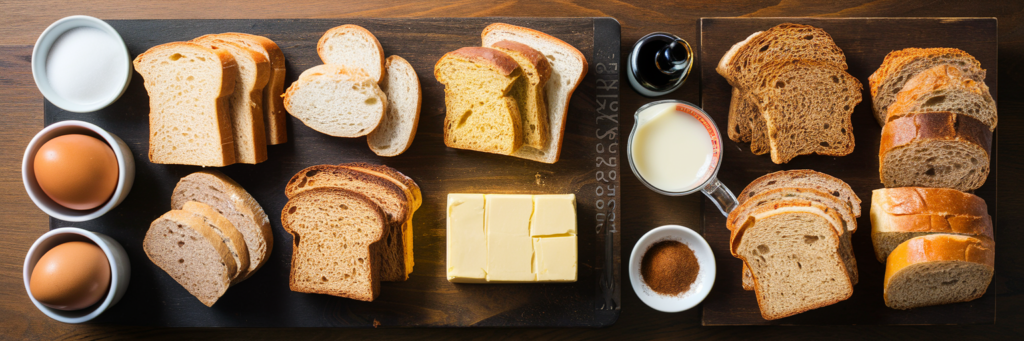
[938,149]
[899,214]
[189,250]
[480,113]
[529,91]
[898,67]
[274,115]
[938,269]
[336,101]
[397,129]
[412,193]
[944,88]
[227,232]
[352,46]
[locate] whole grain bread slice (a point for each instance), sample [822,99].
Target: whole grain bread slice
[803,178]
[899,214]
[945,88]
[227,232]
[397,129]
[352,46]
[938,269]
[898,67]
[412,193]
[480,114]
[274,115]
[529,91]
[188,249]
[336,101]
[938,149]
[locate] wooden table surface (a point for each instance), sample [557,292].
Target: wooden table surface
[21,109]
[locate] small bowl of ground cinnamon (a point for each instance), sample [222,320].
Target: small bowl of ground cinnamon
[672,268]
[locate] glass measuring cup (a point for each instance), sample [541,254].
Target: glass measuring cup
[707,182]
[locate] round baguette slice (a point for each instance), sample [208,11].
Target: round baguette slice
[898,67]
[352,46]
[336,101]
[805,178]
[396,131]
[945,88]
[188,249]
[938,269]
[899,214]
[935,150]
[227,232]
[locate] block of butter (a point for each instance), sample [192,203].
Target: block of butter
[511,238]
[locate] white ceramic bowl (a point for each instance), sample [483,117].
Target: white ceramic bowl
[125,168]
[42,50]
[701,286]
[120,271]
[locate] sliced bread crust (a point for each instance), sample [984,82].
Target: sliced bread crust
[274,115]
[898,67]
[945,88]
[806,178]
[397,129]
[899,214]
[938,269]
[935,150]
[188,249]
[337,101]
[352,46]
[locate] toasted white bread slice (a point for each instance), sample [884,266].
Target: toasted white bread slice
[274,115]
[336,101]
[396,131]
[352,46]
[188,249]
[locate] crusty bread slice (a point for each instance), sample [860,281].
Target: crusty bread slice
[804,178]
[246,101]
[189,119]
[529,91]
[935,150]
[334,235]
[227,232]
[480,113]
[273,104]
[412,193]
[944,88]
[336,101]
[899,214]
[568,66]
[188,249]
[397,129]
[352,46]
[232,201]
[938,269]
[898,67]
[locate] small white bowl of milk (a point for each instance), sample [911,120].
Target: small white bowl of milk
[80,64]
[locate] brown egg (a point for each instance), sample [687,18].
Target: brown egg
[71,276]
[76,171]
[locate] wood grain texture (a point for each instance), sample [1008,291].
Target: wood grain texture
[642,208]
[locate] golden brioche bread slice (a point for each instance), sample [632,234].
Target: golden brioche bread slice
[480,114]
[529,91]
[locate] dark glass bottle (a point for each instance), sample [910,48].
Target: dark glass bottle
[659,63]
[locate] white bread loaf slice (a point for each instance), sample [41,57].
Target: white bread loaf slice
[899,214]
[938,149]
[898,67]
[246,101]
[938,269]
[568,66]
[227,232]
[412,193]
[352,46]
[945,88]
[480,114]
[804,178]
[529,91]
[336,101]
[334,235]
[397,129]
[188,249]
[232,201]
[189,119]
[274,115]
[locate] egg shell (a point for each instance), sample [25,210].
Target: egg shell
[71,276]
[76,171]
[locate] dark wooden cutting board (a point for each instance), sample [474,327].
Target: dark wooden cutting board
[589,167]
[865,41]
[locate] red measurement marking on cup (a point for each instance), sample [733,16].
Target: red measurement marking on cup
[716,144]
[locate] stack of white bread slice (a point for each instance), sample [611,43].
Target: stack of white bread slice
[352,228]
[215,100]
[793,232]
[357,92]
[215,236]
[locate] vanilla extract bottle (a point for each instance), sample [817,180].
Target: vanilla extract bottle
[659,64]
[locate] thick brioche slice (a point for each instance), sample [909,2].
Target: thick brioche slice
[529,91]
[336,101]
[938,269]
[944,88]
[352,46]
[480,113]
[898,67]
[188,249]
[189,119]
[232,201]
[899,214]
[334,235]
[246,101]
[396,131]
[804,178]
[273,104]
[935,150]
[227,232]
[568,66]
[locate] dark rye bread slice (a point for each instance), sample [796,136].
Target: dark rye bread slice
[227,232]
[938,269]
[806,106]
[944,88]
[803,178]
[335,234]
[391,198]
[188,249]
[898,67]
[899,214]
[938,149]
[480,113]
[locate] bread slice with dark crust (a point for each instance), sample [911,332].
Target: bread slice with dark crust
[899,214]
[935,150]
[938,269]
[944,88]
[188,249]
[898,67]
[805,178]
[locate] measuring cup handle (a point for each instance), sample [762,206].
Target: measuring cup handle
[721,196]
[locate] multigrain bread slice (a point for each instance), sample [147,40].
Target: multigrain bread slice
[189,120]
[227,232]
[807,108]
[246,101]
[274,115]
[568,66]
[898,67]
[480,114]
[185,247]
[938,269]
[529,91]
[945,88]
[938,149]
[232,201]
[899,214]
[352,46]
[804,178]
[336,101]
[334,235]
[412,193]
[397,129]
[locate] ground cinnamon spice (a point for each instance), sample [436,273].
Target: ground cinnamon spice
[669,267]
